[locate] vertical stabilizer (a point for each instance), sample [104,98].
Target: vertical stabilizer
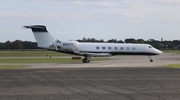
[42,36]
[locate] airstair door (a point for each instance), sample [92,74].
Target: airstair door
[75,46]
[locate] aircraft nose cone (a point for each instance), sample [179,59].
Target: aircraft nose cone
[159,52]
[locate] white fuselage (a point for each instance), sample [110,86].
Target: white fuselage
[102,49]
[118,48]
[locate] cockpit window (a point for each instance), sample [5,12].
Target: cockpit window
[57,41]
[150,46]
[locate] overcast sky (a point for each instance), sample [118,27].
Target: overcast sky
[100,19]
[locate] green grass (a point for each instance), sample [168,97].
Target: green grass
[30,53]
[11,57]
[49,53]
[172,66]
[42,60]
[172,51]
[11,66]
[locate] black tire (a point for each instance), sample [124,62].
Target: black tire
[85,61]
[151,60]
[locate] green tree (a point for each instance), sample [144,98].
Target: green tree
[17,44]
[140,41]
[29,45]
[130,40]
[8,45]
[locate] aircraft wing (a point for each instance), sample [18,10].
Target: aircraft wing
[96,54]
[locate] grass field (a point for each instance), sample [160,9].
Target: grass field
[172,66]
[30,53]
[10,57]
[171,51]
[41,57]
[11,66]
[42,60]
[49,53]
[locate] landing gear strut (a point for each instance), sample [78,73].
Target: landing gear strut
[86,59]
[151,60]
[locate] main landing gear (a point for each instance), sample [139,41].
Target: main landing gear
[151,60]
[86,59]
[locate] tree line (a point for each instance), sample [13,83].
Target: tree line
[18,44]
[163,45]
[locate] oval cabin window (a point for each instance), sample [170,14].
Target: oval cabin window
[103,48]
[133,48]
[121,48]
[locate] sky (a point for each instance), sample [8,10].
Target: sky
[99,19]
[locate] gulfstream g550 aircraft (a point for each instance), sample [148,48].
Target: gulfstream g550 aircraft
[45,40]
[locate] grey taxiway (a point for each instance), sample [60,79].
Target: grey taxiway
[121,78]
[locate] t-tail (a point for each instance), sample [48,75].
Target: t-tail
[43,37]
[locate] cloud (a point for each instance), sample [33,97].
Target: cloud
[108,4]
[56,2]
[9,13]
[28,14]
[92,3]
[120,10]
[167,1]
[80,3]
[126,10]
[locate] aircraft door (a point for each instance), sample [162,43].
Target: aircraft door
[75,46]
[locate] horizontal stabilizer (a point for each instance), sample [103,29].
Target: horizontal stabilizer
[37,28]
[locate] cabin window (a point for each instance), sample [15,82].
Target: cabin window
[97,48]
[103,48]
[121,48]
[133,48]
[115,48]
[109,48]
[127,48]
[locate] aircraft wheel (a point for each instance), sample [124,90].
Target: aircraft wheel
[151,60]
[85,61]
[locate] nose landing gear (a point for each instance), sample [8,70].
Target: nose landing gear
[151,60]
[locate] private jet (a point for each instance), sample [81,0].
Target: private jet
[46,40]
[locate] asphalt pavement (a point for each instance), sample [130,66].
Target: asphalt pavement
[116,83]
